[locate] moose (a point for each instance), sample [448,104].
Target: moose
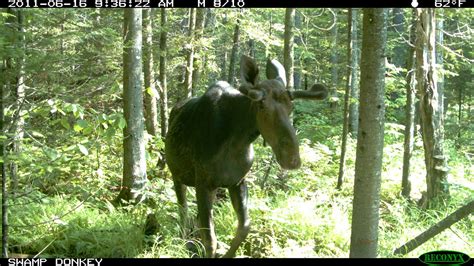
[209,142]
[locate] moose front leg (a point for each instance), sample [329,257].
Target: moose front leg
[239,196]
[205,198]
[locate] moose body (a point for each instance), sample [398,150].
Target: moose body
[205,141]
[209,143]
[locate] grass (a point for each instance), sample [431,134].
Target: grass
[294,214]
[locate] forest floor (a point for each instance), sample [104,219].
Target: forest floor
[294,214]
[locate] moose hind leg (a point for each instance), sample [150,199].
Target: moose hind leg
[180,190]
[239,197]
[205,198]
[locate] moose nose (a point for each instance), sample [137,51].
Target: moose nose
[295,162]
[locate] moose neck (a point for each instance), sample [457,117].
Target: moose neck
[242,117]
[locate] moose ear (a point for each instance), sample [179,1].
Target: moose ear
[317,92]
[275,70]
[248,70]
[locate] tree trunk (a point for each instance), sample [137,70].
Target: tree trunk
[454,217]
[224,65]
[439,60]
[354,99]
[305,65]
[431,118]
[199,56]
[399,28]
[233,55]
[18,92]
[3,89]
[299,43]
[163,90]
[134,164]
[151,112]
[365,211]
[409,111]
[188,78]
[345,125]
[7,83]
[334,60]
[460,102]
[288,53]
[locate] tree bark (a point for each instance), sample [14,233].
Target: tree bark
[298,42]
[151,95]
[354,99]
[334,60]
[399,28]
[233,55]
[288,52]
[365,212]
[440,60]
[460,102]
[224,65]
[7,83]
[345,126]
[199,56]
[163,88]
[409,111]
[18,92]
[134,163]
[454,217]
[188,78]
[3,88]
[431,118]
[305,59]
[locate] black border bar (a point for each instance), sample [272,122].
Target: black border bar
[234,3]
[204,262]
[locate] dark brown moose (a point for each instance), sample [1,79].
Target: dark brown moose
[209,143]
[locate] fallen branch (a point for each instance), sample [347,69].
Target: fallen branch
[454,217]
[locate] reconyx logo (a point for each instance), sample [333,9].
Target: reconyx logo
[445,257]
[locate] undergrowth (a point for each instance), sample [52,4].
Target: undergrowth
[293,213]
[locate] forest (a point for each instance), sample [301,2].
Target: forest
[387,158]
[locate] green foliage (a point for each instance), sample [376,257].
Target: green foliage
[294,214]
[70,164]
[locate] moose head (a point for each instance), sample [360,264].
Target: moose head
[274,104]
